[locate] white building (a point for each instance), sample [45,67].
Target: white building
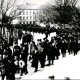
[29,13]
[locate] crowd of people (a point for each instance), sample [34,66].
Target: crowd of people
[15,60]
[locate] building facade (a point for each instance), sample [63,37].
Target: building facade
[29,13]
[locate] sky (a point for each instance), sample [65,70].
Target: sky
[41,2]
[78,4]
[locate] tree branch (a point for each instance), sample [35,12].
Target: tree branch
[8,2]
[9,7]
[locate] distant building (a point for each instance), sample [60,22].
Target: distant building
[29,13]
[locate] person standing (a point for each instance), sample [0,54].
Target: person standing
[52,51]
[45,46]
[70,46]
[35,55]
[9,52]
[4,64]
[3,74]
[57,53]
[11,40]
[24,56]
[63,48]
[41,53]
[75,47]
[17,52]
[1,51]
[10,70]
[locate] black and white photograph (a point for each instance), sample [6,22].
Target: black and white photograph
[39,39]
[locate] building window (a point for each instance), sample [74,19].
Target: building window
[40,11]
[33,22]
[23,13]
[30,22]
[30,17]
[23,18]
[33,12]
[26,17]
[30,12]
[20,17]
[27,22]
[26,13]
[24,22]
[20,22]
[37,12]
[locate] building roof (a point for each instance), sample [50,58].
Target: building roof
[28,6]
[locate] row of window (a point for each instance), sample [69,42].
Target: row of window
[29,22]
[30,12]
[25,17]
[28,17]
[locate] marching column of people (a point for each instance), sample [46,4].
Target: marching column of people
[16,61]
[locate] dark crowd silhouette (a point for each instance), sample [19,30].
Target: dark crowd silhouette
[16,60]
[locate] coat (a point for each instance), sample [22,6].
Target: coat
[51,54]
[63,47]
[16,51]
[10,70]
[35,55]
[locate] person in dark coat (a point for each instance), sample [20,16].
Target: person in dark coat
[35,61]
[5,53]
[16,50]
[70,46]
[45,46]
[57,47]
[51,54]
[24,56]
[4,64]
[75,47]
[63,48]
[10,70]
[9,52]
[3,71]
[11,40]
[5,43]
[1,51]
[35,55]
[27,38]
[41,53]
[57,53]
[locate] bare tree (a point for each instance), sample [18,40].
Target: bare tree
[8,12]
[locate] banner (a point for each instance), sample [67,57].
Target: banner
[53,34]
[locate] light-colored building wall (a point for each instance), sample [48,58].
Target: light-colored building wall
[30,14]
